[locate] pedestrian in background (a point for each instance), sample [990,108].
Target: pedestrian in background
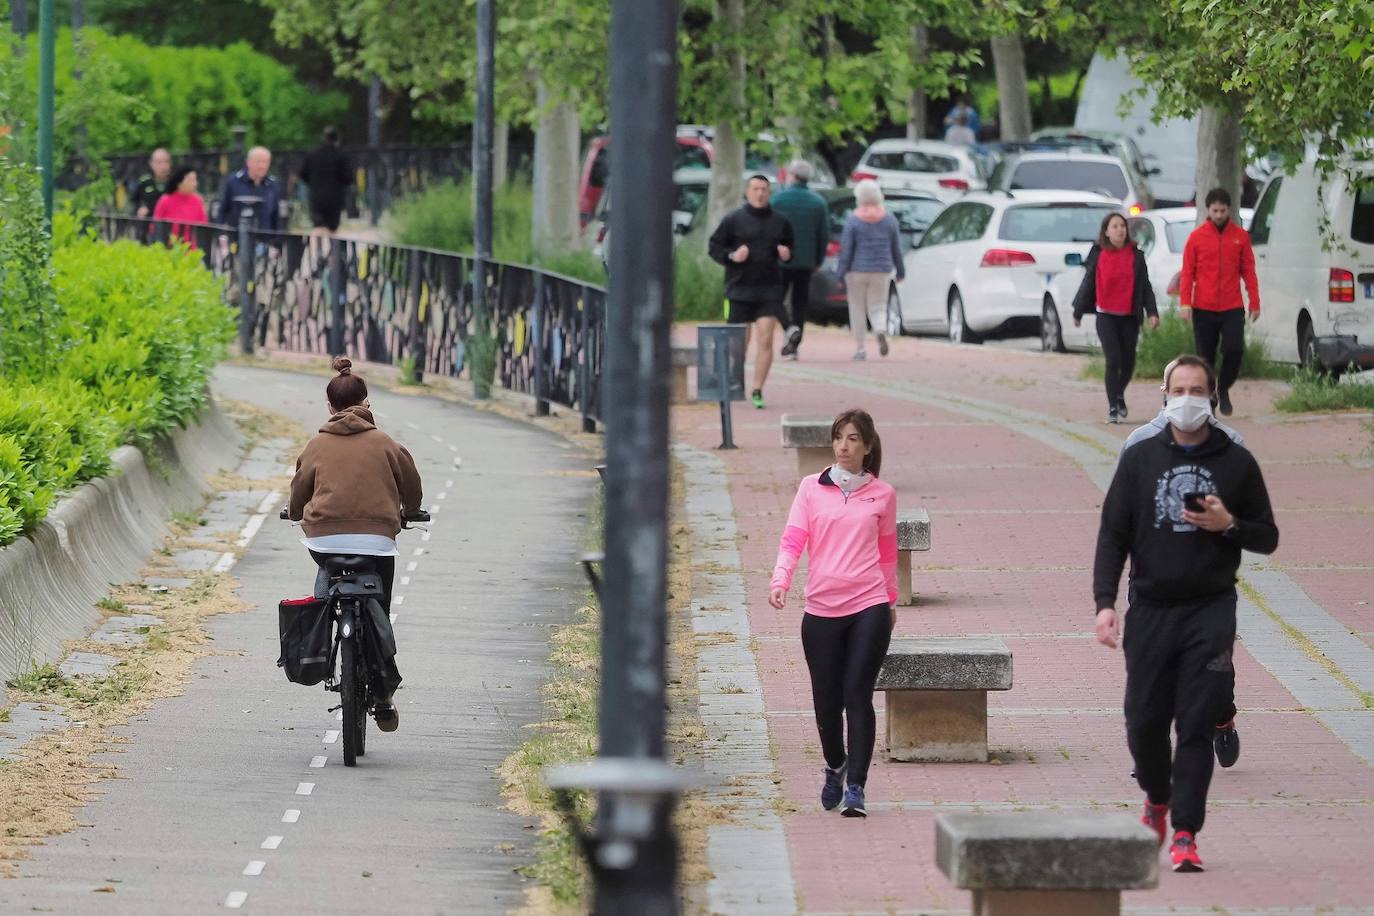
[1182,505]
[252,181]
[1116,285]
[182,205]
[810,219]
[870,254]
[959,133]
[753,242]
[1217,259]
[328,175]
[846,520]
[963,106]
[152,184]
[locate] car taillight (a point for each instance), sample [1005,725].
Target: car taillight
[1340,286]
[862,176]
[1006,257]
[601,233]
[1175,284]
[1135,210]
[957,184]
[832,250]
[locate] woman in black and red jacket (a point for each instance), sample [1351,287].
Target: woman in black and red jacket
[1116,285]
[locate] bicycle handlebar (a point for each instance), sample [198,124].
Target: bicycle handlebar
[420,516]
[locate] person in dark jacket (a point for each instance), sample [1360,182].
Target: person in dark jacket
[329,176]
[753,242]
[253,181]
[152,185]
[810,219]
[1116,285]
[1182,505]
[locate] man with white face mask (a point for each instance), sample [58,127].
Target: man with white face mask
[1182,505]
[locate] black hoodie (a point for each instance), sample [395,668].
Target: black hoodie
[1172,561]
[763,229]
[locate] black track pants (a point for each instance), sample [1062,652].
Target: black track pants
[797,284]
[1228,329]
[1178,670]
[1118,334]
[844,655]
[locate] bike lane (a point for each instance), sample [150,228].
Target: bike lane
[999,447]
[234,793]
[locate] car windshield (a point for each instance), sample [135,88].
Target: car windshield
[914,215]
[912,161]
[1178,233]
[1053,222]
[690,157]
[1071,175]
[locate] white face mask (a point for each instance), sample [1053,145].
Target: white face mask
[1188,412]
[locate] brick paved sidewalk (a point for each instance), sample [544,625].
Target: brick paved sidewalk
[1007,452]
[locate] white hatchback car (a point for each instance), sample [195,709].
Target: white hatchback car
[981,268]
[945,170]
[1072,168]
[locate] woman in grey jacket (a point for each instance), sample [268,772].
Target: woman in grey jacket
[870,253]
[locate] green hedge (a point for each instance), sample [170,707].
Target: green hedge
[103,345]
[1174,337]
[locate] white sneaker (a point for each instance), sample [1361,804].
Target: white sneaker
[860,355]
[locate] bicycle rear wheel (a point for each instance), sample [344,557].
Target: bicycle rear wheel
[352,691]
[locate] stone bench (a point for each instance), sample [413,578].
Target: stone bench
[1038,863]
[937,696]
[810,436]
[913,534]
[684,356]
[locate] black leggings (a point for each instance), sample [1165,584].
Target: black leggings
[1228,329]
[797,286]
[1118,334]
[844,655]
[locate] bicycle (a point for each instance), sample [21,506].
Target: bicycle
[352,581]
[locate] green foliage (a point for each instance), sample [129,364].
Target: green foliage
[698,284]
[1173,338]
[578,263]
[441,217]
[103,344]
[134,97]
[1318,391]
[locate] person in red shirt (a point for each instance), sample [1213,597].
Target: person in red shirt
[182,203]
[1216,260]
[1116,285]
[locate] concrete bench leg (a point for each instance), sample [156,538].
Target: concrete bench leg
[1046,903]
[813,460]
[937,726]
[904,590]
[679,393]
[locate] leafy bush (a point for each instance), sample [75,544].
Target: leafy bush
[698,283]
[441,217]
[1316,391]
[128,338]
[1174,337]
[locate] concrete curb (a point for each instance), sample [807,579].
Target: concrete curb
[99,534]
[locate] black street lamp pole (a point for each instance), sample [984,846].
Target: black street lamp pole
[482,131]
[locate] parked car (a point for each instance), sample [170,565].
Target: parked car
[914,211]
[1160,235]
[1317,293]
[693,152]
[1071,168]
[690,186]
[943,170]
[981,268]
[1110,141]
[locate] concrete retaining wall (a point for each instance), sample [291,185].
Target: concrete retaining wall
[99,534]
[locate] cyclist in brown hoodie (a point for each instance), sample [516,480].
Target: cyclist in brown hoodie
[352,484]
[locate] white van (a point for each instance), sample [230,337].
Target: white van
[1317,305]
[1170,146]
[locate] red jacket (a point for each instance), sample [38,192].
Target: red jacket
[1214,264]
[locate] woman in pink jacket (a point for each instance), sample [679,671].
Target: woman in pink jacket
[847,519]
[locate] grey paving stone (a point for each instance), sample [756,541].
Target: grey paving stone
[195,560]
[28,720]
[124,629]
[87,664]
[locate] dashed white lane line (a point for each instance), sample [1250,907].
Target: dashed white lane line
[413,425]
[291,816]
[443,495]
[438,439]
[453,448]
[434,509]
[419,552]
[272,842]
[254,868]
[448,484]
[250,529]
[331,736]
[424,535]
[236,900]
[317,762]
[411,566]
[269,502]
[398,600]
[306,788]
[225,561]
[405,580]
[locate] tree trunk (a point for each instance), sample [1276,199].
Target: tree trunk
[1219,154]
[916,99]
[1013,101]
[556,150]
[727,168]
[500,154]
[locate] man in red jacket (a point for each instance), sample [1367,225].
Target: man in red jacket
[1217,258]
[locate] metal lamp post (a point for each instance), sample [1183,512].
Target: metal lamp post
[47,52]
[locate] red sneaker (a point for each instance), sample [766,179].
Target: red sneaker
[1183,852]
[1156,817]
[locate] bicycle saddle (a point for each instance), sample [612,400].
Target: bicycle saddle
[346,566]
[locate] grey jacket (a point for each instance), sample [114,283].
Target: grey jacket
[874,248]
[1157,425]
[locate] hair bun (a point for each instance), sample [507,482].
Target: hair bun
[342,365]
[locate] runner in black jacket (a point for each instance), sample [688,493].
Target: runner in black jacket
[1182,619]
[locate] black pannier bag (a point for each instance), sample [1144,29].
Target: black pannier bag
[306,638]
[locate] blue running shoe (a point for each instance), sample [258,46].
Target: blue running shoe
[834,786]
[853,802]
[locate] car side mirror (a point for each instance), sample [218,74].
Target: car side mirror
[1073,259]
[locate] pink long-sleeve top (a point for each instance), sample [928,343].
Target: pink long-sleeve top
[852,544]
